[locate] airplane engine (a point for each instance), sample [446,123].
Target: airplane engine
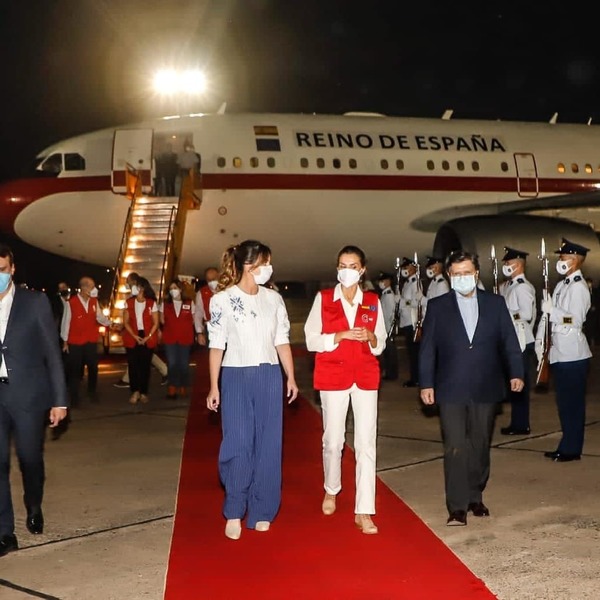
[523,232]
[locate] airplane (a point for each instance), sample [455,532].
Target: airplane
[307,185]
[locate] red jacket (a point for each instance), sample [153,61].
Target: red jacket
[206,294]
[178,329]
[83,328]
[351,362]
[128,340]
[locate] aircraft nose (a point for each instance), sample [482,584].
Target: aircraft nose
[14,197]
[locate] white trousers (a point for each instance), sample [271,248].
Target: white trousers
[334,406]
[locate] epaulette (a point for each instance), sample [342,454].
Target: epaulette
[577,278]
[520,280]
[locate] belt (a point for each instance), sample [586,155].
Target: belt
[4,380]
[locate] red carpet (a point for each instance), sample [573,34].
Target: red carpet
[305,554]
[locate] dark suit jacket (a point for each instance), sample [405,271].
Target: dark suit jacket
[463,371]
[33,358]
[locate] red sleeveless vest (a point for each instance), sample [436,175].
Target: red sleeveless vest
[128,340]
[178,329]
[83,328]
[351,362]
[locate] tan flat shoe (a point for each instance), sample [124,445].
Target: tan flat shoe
[233,529]
[328,505]
[133,399]
[144,398]
[365,524]
[262,526]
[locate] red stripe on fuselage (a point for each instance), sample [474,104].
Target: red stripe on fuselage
[16,195]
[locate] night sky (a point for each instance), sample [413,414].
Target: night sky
[71,66]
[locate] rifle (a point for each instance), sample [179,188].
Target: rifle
[543,368]
[419,325]
[494,267]
[395,327]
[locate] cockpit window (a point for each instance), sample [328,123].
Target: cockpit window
[74,162]
[53,164]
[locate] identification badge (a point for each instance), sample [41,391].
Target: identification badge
[567,320]
[516,316]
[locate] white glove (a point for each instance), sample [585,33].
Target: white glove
[547,306]
[538,349]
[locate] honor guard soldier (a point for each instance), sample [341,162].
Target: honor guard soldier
[388,308]
[438,285]
[410,298]
[569,354]
[519,295]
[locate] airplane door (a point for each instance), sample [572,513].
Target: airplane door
[132,148]
[527,179]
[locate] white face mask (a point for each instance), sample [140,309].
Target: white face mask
[463,284]
[175,294]
[430,273]
[262,274]
[404,273]
[213,285]
[562,266]
[135,290]
[94,292]
[348,277]
[507,270]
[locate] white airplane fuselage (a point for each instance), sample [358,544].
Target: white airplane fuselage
[307,185]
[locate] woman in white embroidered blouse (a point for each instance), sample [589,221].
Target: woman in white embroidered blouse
[248,339]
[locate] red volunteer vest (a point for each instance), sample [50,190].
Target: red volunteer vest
[206,294]
[128,340]
[178,329]
[84,326]
[351,362]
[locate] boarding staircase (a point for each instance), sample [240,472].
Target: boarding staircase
[151,243]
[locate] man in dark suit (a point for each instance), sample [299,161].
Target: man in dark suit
[32,382]
[468,348]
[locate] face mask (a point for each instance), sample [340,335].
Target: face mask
[382,285]
[430,273]
[213,285]
[463,284]
[263,275]
[64,293]
[404,273]
[94,292]
[135,290]
[4,281]
[507,270]
[348,277]
[175,294]
[562,266]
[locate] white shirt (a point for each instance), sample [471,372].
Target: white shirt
[519,295]
[177,306]
[437,287]
[248,327]
[409,302]
[317,341]
[139,313]
[469,312]
[5,306]
[388,307]
[66,320]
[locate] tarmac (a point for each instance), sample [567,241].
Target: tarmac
[112,483]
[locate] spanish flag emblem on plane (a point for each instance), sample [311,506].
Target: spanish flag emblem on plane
[267,138]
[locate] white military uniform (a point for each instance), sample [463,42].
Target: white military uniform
[437,287]
[388,306]
[519,295]
[571,300]
[409,302]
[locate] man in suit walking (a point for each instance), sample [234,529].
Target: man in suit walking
[468,345]
[32,381]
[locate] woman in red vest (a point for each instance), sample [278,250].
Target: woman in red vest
[346,329]
[140,322]
[177,320]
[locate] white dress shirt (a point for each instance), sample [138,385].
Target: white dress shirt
[317,341]
[5,306]
[248,327]
[66,319]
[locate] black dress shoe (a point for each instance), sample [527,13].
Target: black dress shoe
[457,518]
[479,509]
[35,521]
[560,457]
[551,455]
[8,543]
[514,431]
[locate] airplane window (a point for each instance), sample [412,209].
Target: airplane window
[399,165]
[384,163]
[220,162]
[352,163]
[270,162]
[237,162]
[575,167]
[504,166]
[445,165]
[475,165]
[254,162]
[560,168]
[460,165]
[304,163]
[588,168]
[53,164]
[74,162]
[320,163]
[337,163]
[430,165]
